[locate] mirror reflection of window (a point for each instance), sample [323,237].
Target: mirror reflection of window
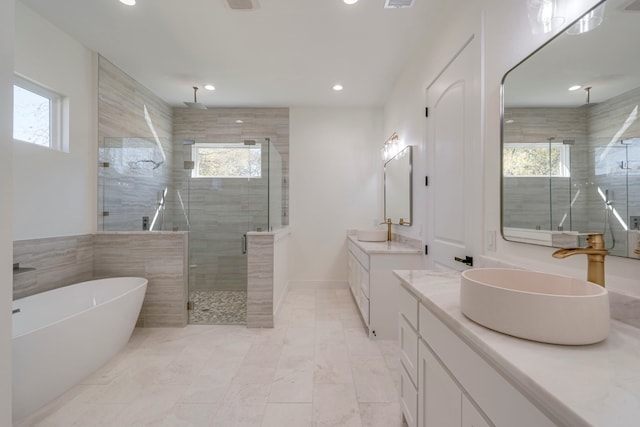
[575,87]
[536,159]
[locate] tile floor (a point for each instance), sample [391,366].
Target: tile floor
[317,367]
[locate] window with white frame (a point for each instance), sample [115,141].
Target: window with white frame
[227,160]
[37,114]
[536,159]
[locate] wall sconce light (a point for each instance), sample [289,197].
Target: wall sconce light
[392,146]
[588,22]
[544,16]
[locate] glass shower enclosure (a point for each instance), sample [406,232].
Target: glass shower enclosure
[218,191]
[597,192]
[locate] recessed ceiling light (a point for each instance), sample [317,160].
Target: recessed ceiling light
[337,88]
[128,2]
[575,87]
[350,1]
[209,87]
[239,121]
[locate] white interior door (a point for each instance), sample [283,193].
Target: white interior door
[455,160]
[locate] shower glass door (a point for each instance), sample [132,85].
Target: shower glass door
[608,211]
[227,191]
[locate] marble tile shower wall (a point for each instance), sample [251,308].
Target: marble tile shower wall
[260,281]
[58,261]
[527,204]
[216,216]
[607,119]
[597,129]
[267,276]
[160,257]
[531,195]
[134,135]
[219,125]
[214,204]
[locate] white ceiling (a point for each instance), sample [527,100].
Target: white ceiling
[285,53]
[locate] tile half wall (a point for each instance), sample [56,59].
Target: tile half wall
[160,257]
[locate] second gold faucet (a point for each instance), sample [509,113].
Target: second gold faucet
[388,222]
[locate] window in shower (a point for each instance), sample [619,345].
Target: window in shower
[536,159]
[227,160]
[37,115]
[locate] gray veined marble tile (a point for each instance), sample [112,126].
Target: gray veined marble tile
[234,376]
[335,405]
[373,381]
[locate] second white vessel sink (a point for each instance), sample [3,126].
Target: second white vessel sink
[536,306]
[374,235]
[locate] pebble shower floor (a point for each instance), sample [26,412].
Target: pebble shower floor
[218,308]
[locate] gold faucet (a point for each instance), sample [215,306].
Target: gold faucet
[388,222]
[595,252]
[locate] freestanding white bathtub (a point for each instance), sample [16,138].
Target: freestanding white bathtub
[62,336]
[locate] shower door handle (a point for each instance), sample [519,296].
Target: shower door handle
[244,243]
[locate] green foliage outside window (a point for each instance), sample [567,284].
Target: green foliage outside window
[534,160]
[228,161]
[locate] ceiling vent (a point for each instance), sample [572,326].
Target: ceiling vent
[397,4]
[634,6]
[242,4]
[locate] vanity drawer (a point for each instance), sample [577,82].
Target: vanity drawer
[361,256]
[408,399]
[364,281]
[408,306]
[488,389]
[408,341]
[363,304]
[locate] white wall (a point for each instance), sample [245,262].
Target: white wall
[335,185]
[6,232]
[55,192]
[508,38]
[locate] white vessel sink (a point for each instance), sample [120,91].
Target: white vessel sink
[373,235]
[536,306]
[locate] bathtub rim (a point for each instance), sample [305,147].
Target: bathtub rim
[64,318]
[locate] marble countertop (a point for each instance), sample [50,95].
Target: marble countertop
[152,233]
[593,385]
[393,247]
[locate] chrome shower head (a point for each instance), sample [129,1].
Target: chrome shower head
[195,104]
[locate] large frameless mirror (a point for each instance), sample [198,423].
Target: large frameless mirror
[571,135]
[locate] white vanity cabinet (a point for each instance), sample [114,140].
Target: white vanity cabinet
[373,284]
[359,279]
[439,397]
[471,417]
[453,385]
